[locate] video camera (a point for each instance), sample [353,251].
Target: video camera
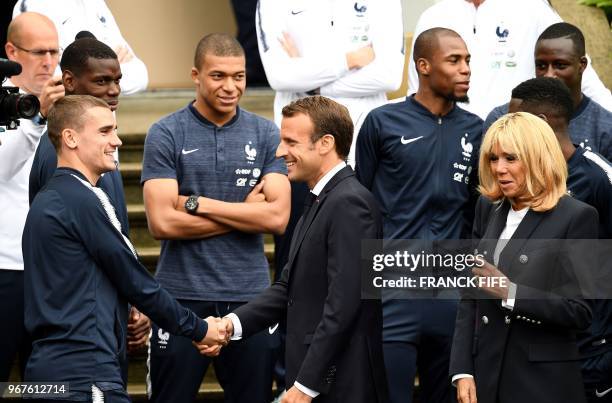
[13,105]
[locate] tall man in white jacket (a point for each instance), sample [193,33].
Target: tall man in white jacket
[32,42]
[501,37]
[73,16]
[349,51]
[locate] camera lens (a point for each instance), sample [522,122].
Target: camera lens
[18,106]
[27,106]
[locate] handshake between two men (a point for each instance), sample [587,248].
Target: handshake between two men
[220,331]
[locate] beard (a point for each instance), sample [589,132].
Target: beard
[465,99]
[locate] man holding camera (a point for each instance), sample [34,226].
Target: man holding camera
[32,41]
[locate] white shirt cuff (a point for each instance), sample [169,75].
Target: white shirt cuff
[306,390]
[237,326]
[459,376]
[509,302]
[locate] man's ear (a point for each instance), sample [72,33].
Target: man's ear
[195,76]
[584,62]
[423,66]
[328,143]
[10,50]
[68,79]
[70,138]
[543,117]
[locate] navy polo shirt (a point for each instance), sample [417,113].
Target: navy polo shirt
[222,163]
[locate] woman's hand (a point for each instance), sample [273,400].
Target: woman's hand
[492,281]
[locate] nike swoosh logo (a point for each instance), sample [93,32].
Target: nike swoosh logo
[602,394]
[272,329]
[296,12]
[190,151]
[407,141]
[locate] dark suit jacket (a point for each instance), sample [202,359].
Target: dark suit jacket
[334,339]
[528,354]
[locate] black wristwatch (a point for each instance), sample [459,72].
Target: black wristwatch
[191,205]
[39,119]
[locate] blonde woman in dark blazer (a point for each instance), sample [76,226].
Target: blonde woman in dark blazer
[518,342]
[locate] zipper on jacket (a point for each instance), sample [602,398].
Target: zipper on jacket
[437,168]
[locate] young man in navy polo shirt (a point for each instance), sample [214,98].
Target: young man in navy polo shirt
[212,186]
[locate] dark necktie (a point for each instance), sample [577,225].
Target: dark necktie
[308,202]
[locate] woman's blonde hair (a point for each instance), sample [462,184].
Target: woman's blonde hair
[535,145]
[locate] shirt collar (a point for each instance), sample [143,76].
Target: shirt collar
[326,178]
[207,122]
[575,158]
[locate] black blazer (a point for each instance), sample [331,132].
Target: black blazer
[334,338]
[528,354]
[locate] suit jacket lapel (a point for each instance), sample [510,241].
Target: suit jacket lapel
[304,223]
[498,221]
[495,226]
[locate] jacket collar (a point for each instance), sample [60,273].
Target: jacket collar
[420,108]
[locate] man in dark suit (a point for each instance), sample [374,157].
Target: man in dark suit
[334,346]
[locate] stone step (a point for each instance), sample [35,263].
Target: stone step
[139,230]
[132,148]
[130,173]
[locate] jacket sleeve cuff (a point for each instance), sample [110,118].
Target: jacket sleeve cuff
[306,390]
[509,302]
[200,330]
[459,376]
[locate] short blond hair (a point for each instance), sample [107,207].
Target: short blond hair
[535,145]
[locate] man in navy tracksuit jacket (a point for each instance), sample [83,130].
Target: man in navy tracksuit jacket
[90,67]
[81,270]
[419,158]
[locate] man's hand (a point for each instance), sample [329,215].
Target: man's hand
[466,390]
[294,395]
[215,337]
[51,91]
[139,327]
[256,194]
[289,45]
[123,54]
[218,335]
[360,57]
[229,327]
[498,280]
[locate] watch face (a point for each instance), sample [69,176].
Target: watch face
[191,204]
